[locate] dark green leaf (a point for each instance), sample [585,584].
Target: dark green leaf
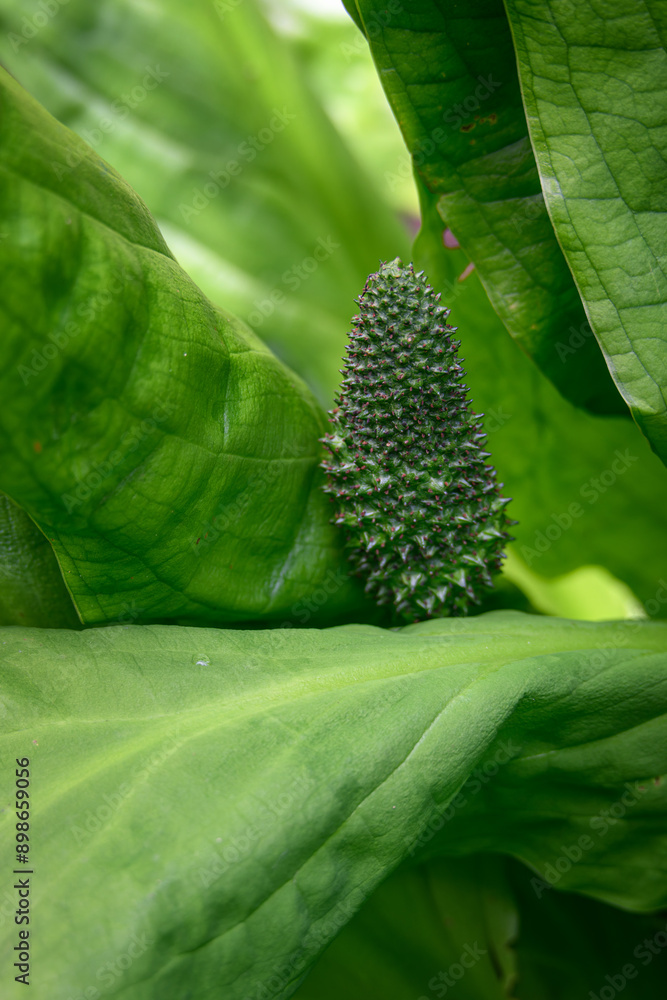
[32,591]
[594,87]
[476,926]
[449,72]
[570,946]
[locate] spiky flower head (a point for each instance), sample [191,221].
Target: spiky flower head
[425,523]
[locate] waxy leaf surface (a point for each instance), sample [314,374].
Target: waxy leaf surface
[449,72]
[593,81]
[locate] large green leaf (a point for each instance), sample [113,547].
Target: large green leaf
[219,803]
[421,923]
[478,925]
[449,72]
[586,489]
[168,456]
[594,89]
[286,239]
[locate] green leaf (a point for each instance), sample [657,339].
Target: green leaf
[450,75]
[287,238]
[478,925]
[594,87]
[32,590]
[586,490]
[228,799]
[168,456]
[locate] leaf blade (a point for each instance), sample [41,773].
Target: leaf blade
[450,75]
[585,489]
[599,137]
[151,436]
[313,760]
